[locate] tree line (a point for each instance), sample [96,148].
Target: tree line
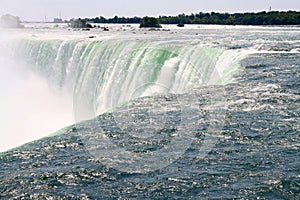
[260,18]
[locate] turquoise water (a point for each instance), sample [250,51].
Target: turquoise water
[212,115]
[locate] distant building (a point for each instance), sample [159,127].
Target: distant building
[58,20]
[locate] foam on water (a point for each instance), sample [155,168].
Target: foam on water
[198,144]
[69,71]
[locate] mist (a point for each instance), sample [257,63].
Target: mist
[29,109]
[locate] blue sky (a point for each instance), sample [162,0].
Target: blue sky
[39,9]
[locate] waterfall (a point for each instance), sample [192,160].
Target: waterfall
[104,74]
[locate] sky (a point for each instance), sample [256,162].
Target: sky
[41,10]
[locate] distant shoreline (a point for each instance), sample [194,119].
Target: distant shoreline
[249,18]
[66,23]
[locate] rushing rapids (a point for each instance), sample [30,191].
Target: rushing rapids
[201,112]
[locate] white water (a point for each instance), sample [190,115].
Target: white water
[56,76]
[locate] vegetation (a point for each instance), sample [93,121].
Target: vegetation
[79,23]
[116,20]
[150,22]
[10,21]
[261,18]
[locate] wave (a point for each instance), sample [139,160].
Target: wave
[264,48]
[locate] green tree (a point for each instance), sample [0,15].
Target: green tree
[260,18]
[150,22]
[230,20]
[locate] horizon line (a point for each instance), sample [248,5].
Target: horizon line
[156,16]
